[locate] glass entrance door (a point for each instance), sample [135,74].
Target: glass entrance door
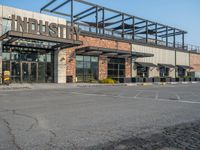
[15,71]
[29,72]
[33,72]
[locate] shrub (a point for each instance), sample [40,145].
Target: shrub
[108,81]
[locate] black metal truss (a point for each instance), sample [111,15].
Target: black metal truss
[129,24]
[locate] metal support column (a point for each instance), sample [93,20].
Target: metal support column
[174,38]
[97,22]
[156,36]
[103,20]
[183,40]
[72,13]
[123,26]
[133,35]
[166,36]
[147,32]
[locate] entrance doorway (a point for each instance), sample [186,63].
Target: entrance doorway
[29,72]
[28,65]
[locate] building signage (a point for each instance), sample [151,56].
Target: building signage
[33,26]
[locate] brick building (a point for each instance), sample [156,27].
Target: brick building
[38,47]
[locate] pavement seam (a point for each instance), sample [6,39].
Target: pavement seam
[27,116]
[10,132]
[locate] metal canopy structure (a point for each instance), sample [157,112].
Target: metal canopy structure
[166,65]
[184,67]
[102,21]
[36,41]
[90,50]
[144,64]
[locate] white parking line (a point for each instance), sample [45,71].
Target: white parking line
[178,97]
[125,97]
[138,94]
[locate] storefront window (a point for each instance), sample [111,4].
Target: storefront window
[142,71]
[116,69]
[27,64]
[164,72]
[181,72]
[86,68]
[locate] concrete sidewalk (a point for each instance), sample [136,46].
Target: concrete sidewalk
[77,85]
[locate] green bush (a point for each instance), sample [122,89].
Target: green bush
[108,81]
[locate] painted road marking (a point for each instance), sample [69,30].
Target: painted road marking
[161,100]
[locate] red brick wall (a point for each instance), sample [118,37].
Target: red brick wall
[71,63]
[128,69]
[195,62]
[103,67]
[96,42]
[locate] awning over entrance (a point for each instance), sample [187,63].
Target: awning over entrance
[166,65]
[37,41]
[96,51]
[184,67]
[144,64]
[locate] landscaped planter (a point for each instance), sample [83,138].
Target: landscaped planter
[156,79]
[165,79]
[197,79]
[149,79]
[186,79]
[137,79]
[127,80]
[179,79]
[172,80]
[168,79]
[192,79]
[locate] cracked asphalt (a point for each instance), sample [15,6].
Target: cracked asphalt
[106,117]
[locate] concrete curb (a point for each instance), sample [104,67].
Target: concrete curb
[15,86]
[79,85]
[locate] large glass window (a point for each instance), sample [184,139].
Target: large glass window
[181,72]
[142,71]
[116,69]
[28,64]
[86,68]
[164,71]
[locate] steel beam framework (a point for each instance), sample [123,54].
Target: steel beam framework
[129,27]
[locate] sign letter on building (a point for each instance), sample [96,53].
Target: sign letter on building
[33,26]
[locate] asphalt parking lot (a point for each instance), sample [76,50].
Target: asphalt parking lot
[119,117]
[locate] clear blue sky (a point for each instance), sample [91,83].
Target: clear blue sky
[183,14]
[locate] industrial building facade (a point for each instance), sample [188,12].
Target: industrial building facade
[88,44]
